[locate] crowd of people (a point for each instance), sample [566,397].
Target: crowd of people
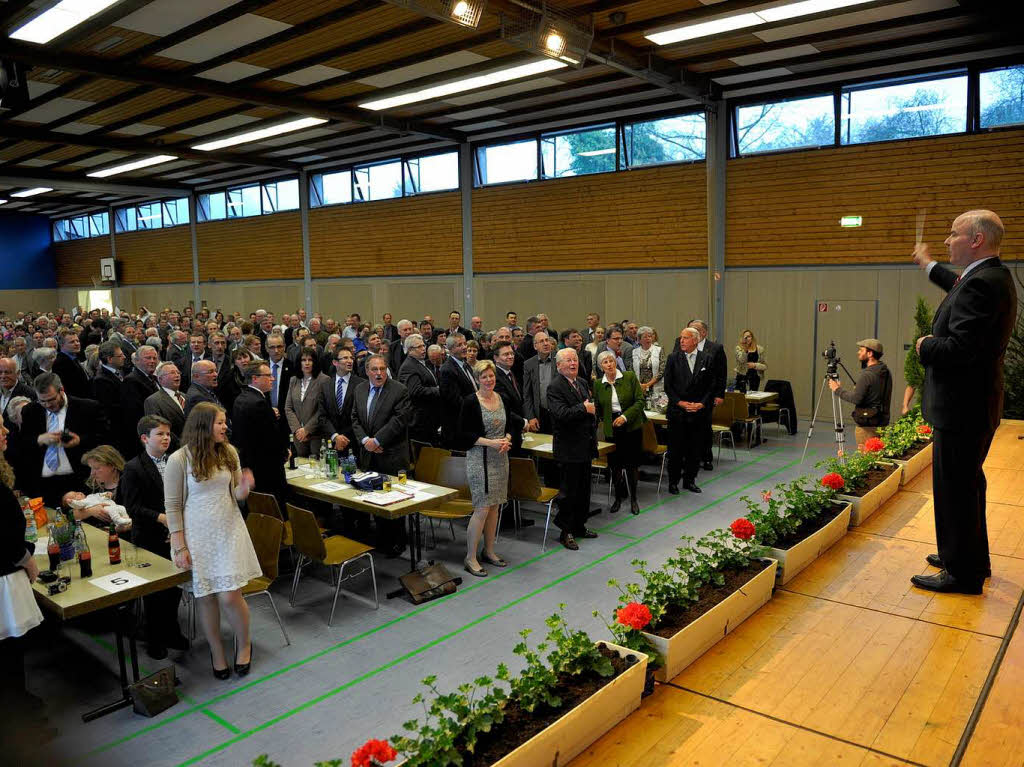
[172,418]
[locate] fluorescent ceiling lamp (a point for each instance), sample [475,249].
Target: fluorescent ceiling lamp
[465,84]
[132,166]
[2,202]
[32,192]
[669,35]
[596,152]
[59,19]
[850,221]
[262,133]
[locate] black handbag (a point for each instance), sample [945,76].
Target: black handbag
[865,416]
[155,693]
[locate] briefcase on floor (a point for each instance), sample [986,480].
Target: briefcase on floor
[155,693]
[429,582]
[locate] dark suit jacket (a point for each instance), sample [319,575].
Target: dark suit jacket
[84,417]
[333,420]
[134,391]
[963,361]
[160,403]
[532,404]
[396,356]
[715,353]
[285,372]
[454,386]
[107,389]
[513,399]
[425,398]
[72,376]
[681,385]
[572,427]
[19,390]
[197,394]
[228,387]
[262,440]
[388,424]
[141,492]
[471,422]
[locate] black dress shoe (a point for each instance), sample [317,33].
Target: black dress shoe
[568,541]
[692,487]
[634,507]
[936,561]
[944,583]
[673,489]
[615,506]
[588,533]
[708,466]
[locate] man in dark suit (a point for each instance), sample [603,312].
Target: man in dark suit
[396,350]
[337,393]
[424,391]
[509,390]
[455,325]
[689,385]
[11,386]
[106,390]
[260,432]
[715,353]
[68,367]
[380,423]
[574,446]
[203,387]
[390,332]
[526,346]
[141,492]
[456,381]
[593,320]
[54,460]
[168,402]
[505,334]
[178,351]
[138,385]
[963,393]
[281,370]
[538,373]
[615,342]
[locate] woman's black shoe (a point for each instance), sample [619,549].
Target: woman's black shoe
[243,668]
[634,507]
[615,506]
[219,673]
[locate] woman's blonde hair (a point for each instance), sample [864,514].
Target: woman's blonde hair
[481,367]
[753,338]
[106,455]
[206,455]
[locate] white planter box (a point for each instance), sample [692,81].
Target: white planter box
[795,559]
[915,465]
[688,644]
[867,505]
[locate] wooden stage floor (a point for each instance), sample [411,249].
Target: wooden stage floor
[849,664]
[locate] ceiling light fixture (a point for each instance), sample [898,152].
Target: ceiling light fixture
[544,28]
[465,13]
[32,192]
[3,202]
[465,84]
[128,166]
[669,35]
[57,20]
[262,133]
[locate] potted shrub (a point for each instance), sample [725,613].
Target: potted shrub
[868,480]
[702,593]
[908,444]
[798,524]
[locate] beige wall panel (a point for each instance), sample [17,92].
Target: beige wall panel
[277,297]
[155,297]
[412,299]
[338,299]
[670,301]
[14,301]
[565,298]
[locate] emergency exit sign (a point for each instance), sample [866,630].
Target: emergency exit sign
[850,221]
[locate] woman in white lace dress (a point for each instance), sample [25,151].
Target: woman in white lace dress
[202,482]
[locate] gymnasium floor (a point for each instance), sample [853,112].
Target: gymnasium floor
[334,687]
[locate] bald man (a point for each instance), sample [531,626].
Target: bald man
[963,393]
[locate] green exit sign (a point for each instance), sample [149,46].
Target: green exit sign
[850,221]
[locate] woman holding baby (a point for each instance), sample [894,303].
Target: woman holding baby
[105,468]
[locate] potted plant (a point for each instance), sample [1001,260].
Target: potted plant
[908,444]
[868,480]
[798,524]
[702,593]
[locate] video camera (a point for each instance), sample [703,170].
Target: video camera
[832,361]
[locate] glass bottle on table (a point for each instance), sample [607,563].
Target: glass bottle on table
[113,546]
[84,554]
[31,531]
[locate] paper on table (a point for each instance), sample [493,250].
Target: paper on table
[385,499]
[415,485]
[41,543]
[328,487]
[119,581]
[759,394]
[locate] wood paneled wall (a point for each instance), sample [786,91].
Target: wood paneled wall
[161,256]
[652,218]
[785,208]
[416,235]
[257,248]
[78,261]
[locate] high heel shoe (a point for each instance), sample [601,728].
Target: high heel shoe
[243,668]
[219,673]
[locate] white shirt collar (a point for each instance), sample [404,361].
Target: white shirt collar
[974,264]
[113,370]
[700,345]
[618,375]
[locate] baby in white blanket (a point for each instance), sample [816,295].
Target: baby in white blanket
[118,514]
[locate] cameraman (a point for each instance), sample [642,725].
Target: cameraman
[871,397]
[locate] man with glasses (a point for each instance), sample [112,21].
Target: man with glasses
[260,433]
[336,398]
[281,370]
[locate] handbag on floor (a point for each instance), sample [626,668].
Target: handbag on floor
[429,582]
[155,693]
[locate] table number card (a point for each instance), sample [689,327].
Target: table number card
[118,581]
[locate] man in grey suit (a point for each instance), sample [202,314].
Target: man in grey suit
[204,384]
[380,423]
[168,401]
[424,391]
[615,342]
[538,372]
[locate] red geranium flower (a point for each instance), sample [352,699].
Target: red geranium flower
[743,529]
[635,615]
[766,496]
[373,752]
[833,481]
[924,428]
[874,445]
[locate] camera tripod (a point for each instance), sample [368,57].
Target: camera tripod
[837,414]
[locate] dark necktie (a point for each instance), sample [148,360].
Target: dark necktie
[340,393]
[371,401]
[512,380]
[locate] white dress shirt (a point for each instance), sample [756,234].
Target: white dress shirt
[64,465]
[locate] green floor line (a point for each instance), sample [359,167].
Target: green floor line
[619,535]
[445,637]
[387,624]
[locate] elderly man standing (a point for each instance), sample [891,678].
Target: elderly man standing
[689,385]
[963,393]
[574,446]
[424,391]
[396,353]
[455,382]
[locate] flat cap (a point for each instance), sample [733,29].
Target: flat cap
[873,344]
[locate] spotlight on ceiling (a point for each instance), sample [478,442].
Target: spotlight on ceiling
[558,33]
[465,13]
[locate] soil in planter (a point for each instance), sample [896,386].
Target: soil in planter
[917,448]
[809,527]
[676,619]
[874,478]
[519,725]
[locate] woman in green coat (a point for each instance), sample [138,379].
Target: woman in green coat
[620,413]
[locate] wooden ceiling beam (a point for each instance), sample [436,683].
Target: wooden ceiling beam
[101,20]
[38,177]
[60,91]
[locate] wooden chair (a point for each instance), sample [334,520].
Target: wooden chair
[524,485]
[780,413]
[266,504]
[721,426]
[651,446]
[451,473]
[335,551]
[741,414]
[428,464]
[265,533]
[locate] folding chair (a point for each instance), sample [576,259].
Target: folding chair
[451,473]
[265,533]
[721,426]
[651,446]
[525,485]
